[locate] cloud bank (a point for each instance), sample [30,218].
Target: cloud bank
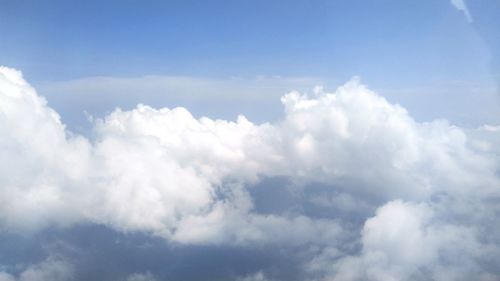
[399,199]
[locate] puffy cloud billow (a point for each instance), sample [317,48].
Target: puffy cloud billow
[377,195]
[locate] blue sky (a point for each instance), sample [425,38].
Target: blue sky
[425,55]
[70,39]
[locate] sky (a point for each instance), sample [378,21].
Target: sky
[249,140]
[413,53]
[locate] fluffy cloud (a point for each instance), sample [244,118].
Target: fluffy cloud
[40,162]
[406,241]
[188,180]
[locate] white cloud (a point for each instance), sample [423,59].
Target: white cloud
[51,269]
[148,170]
[40,161]
[462,6]
[408,241]
[259,276]
[164,172]
[141,277]
[490,128]
[6,277]
[357,138]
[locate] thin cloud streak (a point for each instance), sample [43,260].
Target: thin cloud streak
[462,6]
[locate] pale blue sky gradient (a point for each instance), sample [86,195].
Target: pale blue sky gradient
[422,54]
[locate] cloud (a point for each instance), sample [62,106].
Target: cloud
[462,6]
[490,128]
[34,171]
[188,180]
[141,277]
[259,276]
[51,269]
[438,250]
[219,97]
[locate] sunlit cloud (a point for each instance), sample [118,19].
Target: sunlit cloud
[421,188]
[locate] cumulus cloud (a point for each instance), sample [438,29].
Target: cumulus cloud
[188,180]
[406,241]
[40,161]
[462,6]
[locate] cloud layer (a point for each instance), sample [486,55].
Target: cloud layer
[392,198]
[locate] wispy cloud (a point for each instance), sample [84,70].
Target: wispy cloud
[462,6]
